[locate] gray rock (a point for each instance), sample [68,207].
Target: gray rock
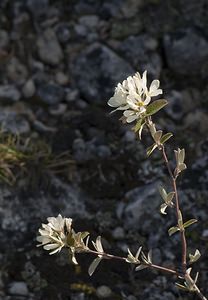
[123,28]
[187,53]
[193,11]
[175,105]
[81,104]
[83,151]
[131,297]
[103,151]
[32,277]
[18,288]
[197,120]
[38,7]
[129,137]
[78,144]
[97,70]
[157,256]
[61,78]
[78,296]
[71,95]
[80,30]
[49,48]
[141,202]
[50,93]
[118,233]
[4,39]
[28,89]
[141,52]
[205,233]
[17,221]
[58,109]
[40,127]
[87,7]
[103,292]
[9,92]
[90,21]
[63,33]
[13,122]
[130,8]
[111,8]
[87,28]
[17,71]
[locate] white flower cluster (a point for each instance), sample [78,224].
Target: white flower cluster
[132,96]
[53,236]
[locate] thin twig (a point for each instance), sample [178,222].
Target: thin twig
[153,266]
[106,255]
[182,231]
[177,207]
[160,268]
[197,290]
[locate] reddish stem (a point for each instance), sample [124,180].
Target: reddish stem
[153,266]
[177,207]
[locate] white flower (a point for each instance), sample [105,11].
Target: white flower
[119,98]
[154,89]
[53,235]
[133,96]
[56,223]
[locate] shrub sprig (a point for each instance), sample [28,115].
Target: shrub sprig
[133,98]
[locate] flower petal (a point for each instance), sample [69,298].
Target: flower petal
[51,246]
[131,118]
[56,250]
[144,80]
[154,85]
[68,223]
[128,113]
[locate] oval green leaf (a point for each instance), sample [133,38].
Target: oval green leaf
[173,230]
[138,125]
[155,106]
[151,149]
[166,137]
[189,222]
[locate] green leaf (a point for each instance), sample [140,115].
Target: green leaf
[163,193]
[151,149]
[193,258]
[170,197]
[189,282]
[141,267]
[152,128]
[182,167]
[157,136]
[196,277]
[138,252]
[133,259]
[74,259]
[94,265]
[189,222]
[182,287]
[144,258]
[166,137]
[98,244]
[141,128]
[84,234]
[181,156]
[163,208]
[155,106]
[173,230]
[149,256]
[180,220]
[138,125]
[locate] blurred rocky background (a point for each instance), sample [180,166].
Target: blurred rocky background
[59,63]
